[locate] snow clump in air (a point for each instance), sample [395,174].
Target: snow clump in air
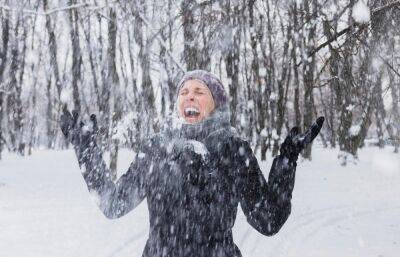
[361,12]
[65,96]
[199,148]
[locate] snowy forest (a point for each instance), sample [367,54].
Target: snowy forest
[283,63]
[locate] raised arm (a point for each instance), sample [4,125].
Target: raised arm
[267,205]
[113,199]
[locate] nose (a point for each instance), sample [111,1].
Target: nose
[190,96]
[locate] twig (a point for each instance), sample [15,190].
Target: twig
[388,6]
[385,61]
[162,42]
[389,65]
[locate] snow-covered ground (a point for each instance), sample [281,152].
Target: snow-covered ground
[46,210]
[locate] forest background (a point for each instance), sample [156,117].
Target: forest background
[283,63]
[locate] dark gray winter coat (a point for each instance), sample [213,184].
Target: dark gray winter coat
[194,177]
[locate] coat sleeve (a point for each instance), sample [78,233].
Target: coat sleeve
[114,199]
[266,204]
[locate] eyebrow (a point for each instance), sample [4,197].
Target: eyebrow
[196,88]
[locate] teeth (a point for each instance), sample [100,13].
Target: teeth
[191,111]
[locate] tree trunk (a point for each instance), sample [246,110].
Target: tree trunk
[395,93]
[296,42]
[190,51]
[282,82]
[257,84]
[334,84]
[49,115]
[14,92]
[53,49]
[113,82]
[3,61]
[232,61]
[308,72]
[76,56]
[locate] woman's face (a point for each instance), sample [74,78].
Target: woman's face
[195,101]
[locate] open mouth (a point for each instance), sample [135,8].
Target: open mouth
[192,112]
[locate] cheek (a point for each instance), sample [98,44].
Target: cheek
[179,103]
[207,104]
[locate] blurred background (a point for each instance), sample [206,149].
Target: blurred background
[283,64]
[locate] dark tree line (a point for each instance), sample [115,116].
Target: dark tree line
[283,63]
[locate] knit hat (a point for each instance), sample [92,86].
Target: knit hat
[212,82]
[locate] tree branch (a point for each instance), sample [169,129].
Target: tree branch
[389,65]
[346,30]
[58,9]
[388,6]
[162,42]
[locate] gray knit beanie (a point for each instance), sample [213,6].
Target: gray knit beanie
[213,83]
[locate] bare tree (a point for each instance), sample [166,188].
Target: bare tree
[122,59]
[53,49]
[113,81]
[309,64]
[3,60]
[232,57]
[76,55]
[190,51]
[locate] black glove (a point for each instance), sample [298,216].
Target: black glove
[77,134]
[296,142]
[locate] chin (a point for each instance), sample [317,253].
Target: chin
[192,121]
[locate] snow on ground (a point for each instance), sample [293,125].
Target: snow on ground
[46,210]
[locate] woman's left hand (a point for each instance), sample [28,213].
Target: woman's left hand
[296,142]
[75,130]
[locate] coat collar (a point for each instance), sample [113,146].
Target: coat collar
[177,128]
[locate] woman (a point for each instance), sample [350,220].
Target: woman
[194,173]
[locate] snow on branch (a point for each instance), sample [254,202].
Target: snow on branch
[361,26]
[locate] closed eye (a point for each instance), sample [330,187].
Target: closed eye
[199,91]
[184,92]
